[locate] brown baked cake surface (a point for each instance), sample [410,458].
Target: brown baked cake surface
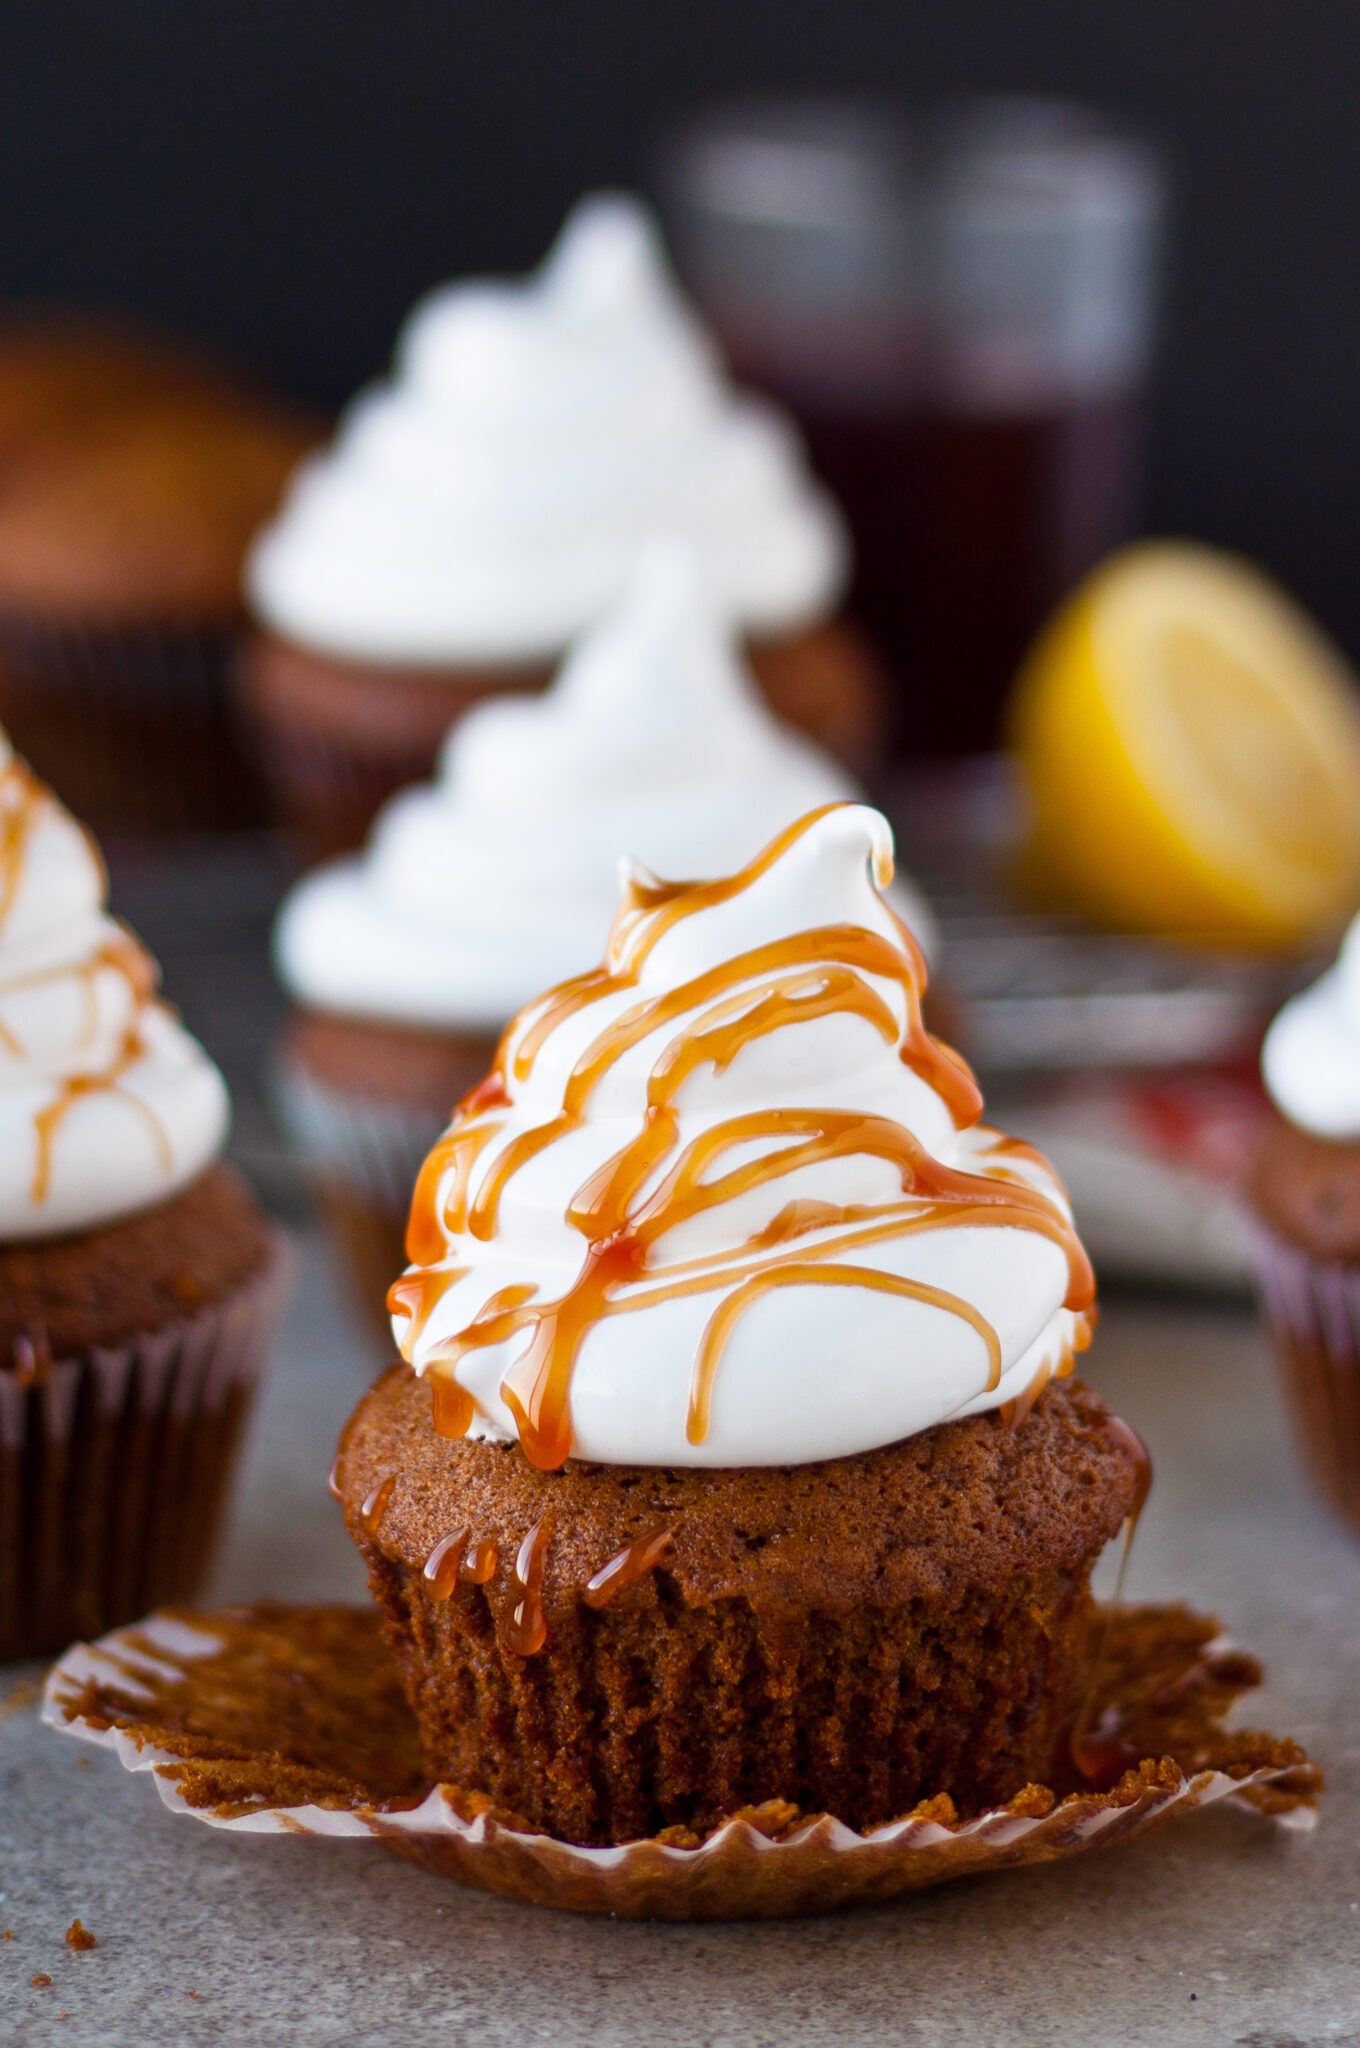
[851,1636]
[1308,1190]
[96,1288]
[132,474]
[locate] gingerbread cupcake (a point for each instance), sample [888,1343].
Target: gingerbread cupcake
[1304,1188]
[132,478]
[139,1283]
[406,963]
[481,509]
[733,1458]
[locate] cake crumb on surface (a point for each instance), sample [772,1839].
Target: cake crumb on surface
[41,1981]
[79,1936]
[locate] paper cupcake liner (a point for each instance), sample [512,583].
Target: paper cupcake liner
[1312,1311]
[114,1467]
[337,739]
[362,1157]
[279,1720]
[133,726]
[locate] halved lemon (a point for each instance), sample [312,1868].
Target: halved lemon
[1191,745]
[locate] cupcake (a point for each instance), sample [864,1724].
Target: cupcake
[131,481]
[734,1456]
[1304,1190]
[138,1281]
[406,963]
[481,509]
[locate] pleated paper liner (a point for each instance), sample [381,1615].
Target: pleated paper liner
[114,1466]
[133,726]
[291,1720]
[1312,1311]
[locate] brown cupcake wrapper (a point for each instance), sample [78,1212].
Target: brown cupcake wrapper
[134,726]
[114,1467]
[1312,1310]
[212,1753]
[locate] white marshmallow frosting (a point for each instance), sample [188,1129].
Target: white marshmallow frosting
[963,1307]
[481,889]
[107,1105]
[1311,1057]
[484,506]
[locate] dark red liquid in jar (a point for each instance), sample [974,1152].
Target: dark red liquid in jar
[968,527]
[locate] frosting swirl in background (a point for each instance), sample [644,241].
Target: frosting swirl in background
[731,1176]
[1311,1057]
[485,505]
[478,891]
[107,1105]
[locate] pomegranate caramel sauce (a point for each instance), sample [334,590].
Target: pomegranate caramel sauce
[735,1454]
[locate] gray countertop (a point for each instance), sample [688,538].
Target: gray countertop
[1216,1929]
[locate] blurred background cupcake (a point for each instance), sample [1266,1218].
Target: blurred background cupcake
[1304,1187]
[481,509]
[500,878]
[132,477]
[139,1284]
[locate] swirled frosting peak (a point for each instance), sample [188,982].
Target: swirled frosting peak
[724,1201]
[1311,1058]
[484,505]
[502,876]
[107,1105]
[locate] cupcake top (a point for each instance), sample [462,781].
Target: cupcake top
[107,1105]
[478,890]
[1311,1057]
[134,476]
[483,506]
[722,1201]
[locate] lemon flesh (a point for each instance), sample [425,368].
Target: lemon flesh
[1190,742]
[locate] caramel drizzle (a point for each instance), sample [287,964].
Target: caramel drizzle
[626,1567]
[798,978]
[22,799]
[375,1507]
[527,1630]
[440,1570]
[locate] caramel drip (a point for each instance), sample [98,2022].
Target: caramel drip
[719,1013]
[375,1507]
[418,1294]
[452,1406]
[479,1564]
[333,1479]
[527,1630]
[440,1570]
[21,797]
[798,1275]
[626,1567]
[47,1122]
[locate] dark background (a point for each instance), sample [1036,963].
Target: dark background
[283,178]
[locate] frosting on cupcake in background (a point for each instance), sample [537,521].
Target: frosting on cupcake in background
[478,890]
[484,506]
[725,1202]
[1311,1057]
[107,1105]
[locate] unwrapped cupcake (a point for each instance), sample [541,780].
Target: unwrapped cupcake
[481,509]
[406,963]
[739,1460]
[139,1284]
[1304,1187]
